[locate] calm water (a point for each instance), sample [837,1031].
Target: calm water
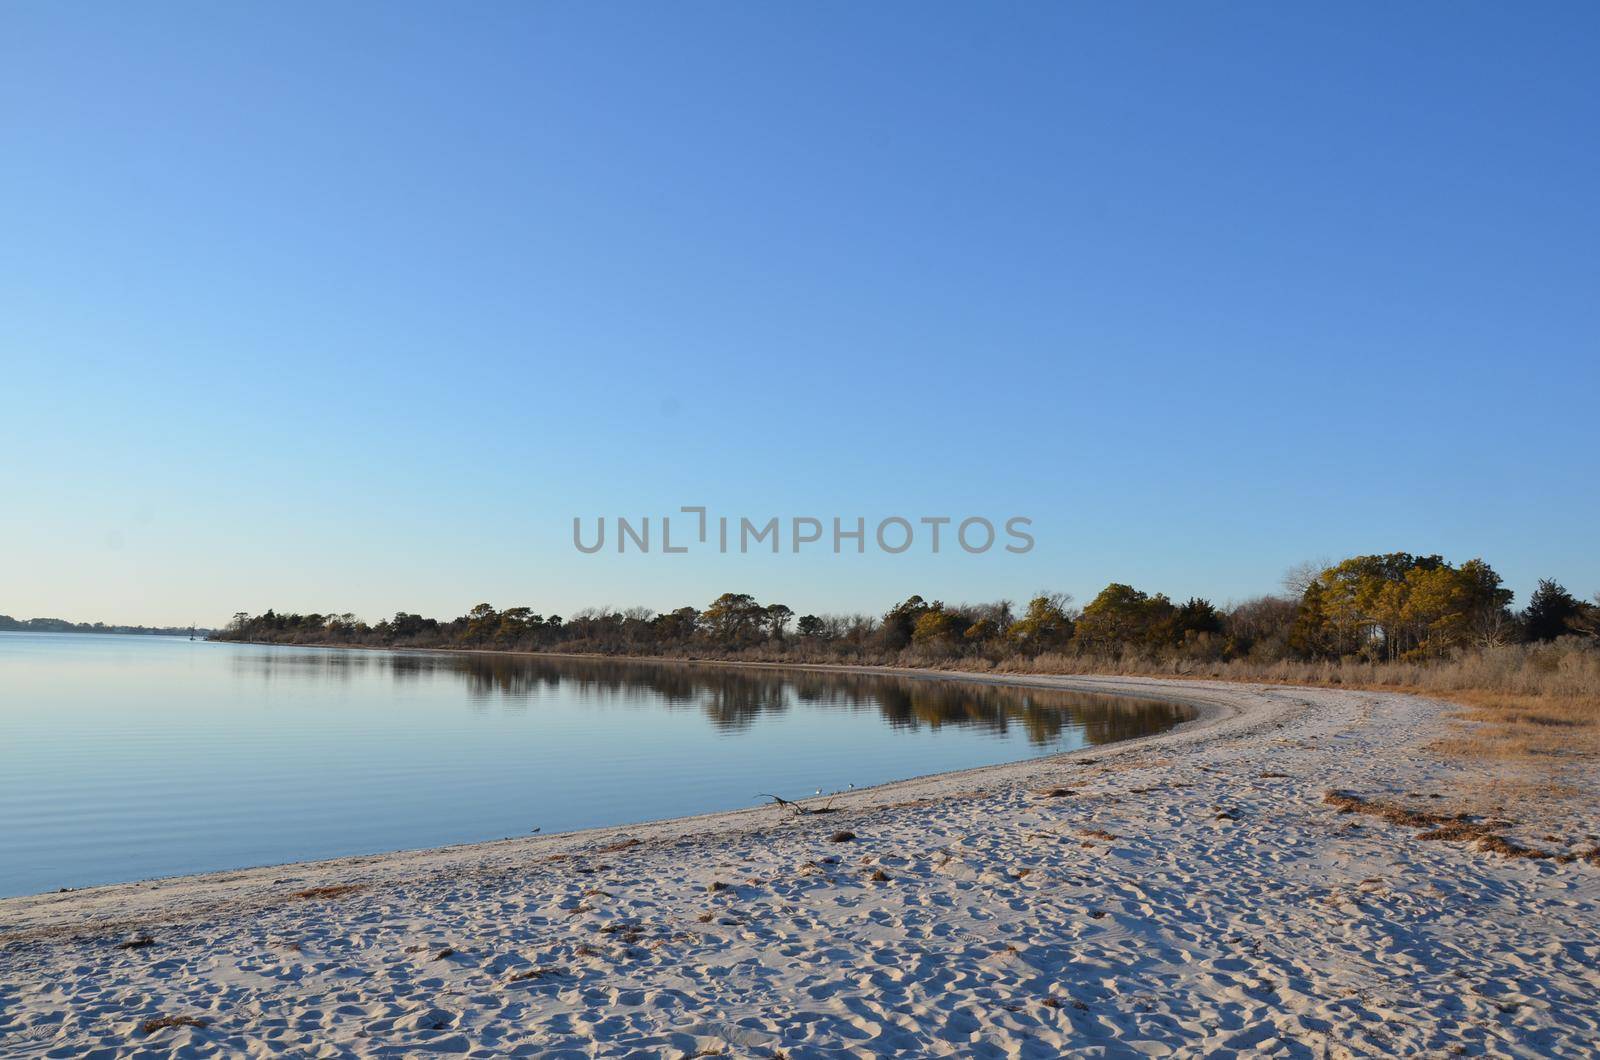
[125,758]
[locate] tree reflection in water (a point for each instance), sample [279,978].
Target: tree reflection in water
[734,698]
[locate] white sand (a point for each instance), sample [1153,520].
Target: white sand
[1001,930]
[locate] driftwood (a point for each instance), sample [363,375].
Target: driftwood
[780,801]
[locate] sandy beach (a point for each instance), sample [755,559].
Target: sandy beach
[1190,893]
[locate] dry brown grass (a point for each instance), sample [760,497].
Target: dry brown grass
[335,891]
[1518,725]
[1566,667]
[1450,828]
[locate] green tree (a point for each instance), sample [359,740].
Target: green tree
[1047,625]
[1551,611]
[777,618]
[733,618]
[938,628]
[676,627]
[1119,616]
[1489,621]
[900,621]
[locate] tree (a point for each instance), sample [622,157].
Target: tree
[1400,606]
[1261,627]
[1195,626]
[981,631]
[1312,632]
[481,623]
[1587,621]
[1046,626]
[733,618]
[1198,615]
[1489,620]
[1298,578]
[1364,602]
[1551,611]
[901,620]
[937,628]
[676,627]
[1118,616]
[778,616]
[811,626]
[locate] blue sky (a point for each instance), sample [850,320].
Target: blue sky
[354,307]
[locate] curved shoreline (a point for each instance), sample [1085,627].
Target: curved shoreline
[1187,893]
[112,907]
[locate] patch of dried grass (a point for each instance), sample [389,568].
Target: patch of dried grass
[335,891]
[163,1022]
[1518,725]
[1450,828]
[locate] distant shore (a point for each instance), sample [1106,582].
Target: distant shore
[1194,890]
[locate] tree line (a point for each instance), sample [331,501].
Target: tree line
[1385,608]
[61,625]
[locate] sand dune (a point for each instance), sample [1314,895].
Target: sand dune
[1190,893]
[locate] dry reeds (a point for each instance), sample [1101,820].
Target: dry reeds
[163,1022]
[1449,828]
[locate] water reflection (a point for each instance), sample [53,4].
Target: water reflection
[734,699]
[130,757]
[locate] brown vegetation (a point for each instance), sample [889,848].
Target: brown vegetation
[1517,725]
[1450,828]
[162,1022]
[334,891]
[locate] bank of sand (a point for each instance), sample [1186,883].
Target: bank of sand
[1180,894]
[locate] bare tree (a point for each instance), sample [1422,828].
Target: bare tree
[1060,601]
[1298,578]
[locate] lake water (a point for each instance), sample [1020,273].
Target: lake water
[125,758]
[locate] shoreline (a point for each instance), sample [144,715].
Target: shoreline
[24,915]
[1189,892]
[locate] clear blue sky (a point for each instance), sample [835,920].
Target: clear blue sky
[355,306]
